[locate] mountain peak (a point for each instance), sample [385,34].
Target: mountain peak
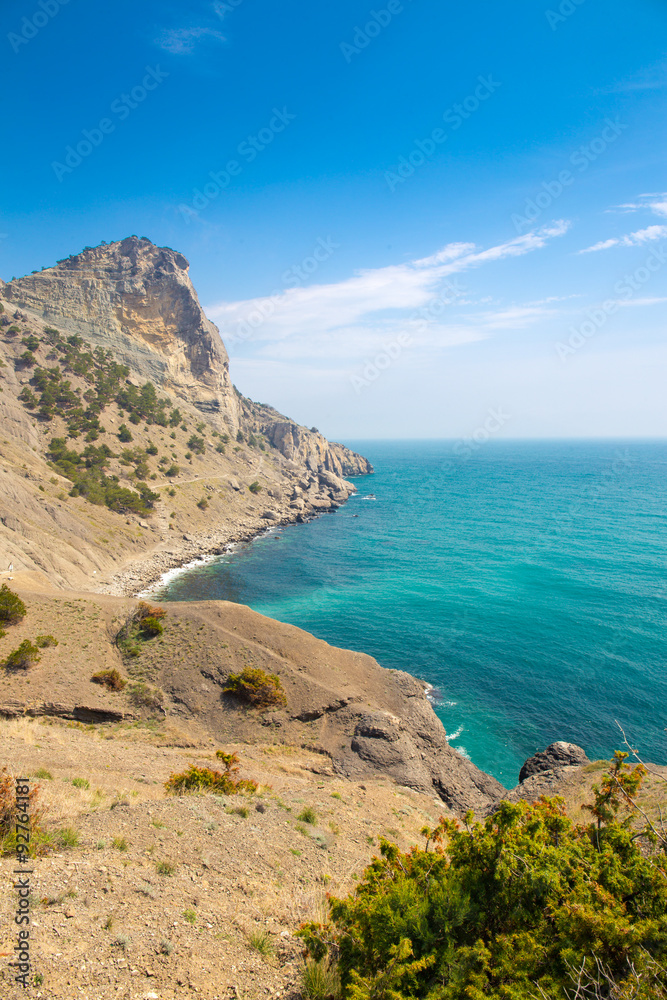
[137,300]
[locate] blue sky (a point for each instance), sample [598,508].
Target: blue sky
[412,218]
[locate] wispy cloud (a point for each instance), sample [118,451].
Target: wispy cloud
[352,317]
[651,78]
[655,202]
[636,239]
[183,40]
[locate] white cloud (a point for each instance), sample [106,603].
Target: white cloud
[655,202]
[363,312]
[636,239]
[182,41]
[633,303]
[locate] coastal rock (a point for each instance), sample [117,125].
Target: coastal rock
[137,300]
[556,756]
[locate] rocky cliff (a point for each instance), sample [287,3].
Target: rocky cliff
[136,300]
[114,385]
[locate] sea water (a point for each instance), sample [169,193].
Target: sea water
[525,581]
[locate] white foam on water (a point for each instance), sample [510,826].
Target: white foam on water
[172,574]
[454,736]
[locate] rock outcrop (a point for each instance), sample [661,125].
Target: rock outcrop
[545,772]
[137,300]
[554,758]
[305,448]
[362,720]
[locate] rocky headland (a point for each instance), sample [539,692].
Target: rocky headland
[73,339]
[126,451]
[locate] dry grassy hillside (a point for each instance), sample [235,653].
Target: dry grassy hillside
[157,483]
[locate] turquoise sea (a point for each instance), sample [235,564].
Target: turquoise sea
[525,581]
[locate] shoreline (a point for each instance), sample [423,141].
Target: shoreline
[139,577]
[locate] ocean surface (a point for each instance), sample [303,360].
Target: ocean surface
[525,581]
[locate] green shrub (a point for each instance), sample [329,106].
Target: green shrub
[190,916]
[220,448]
[43,641]
[204,779]
[173,470]
[151,627]
[111,679]
[255,487]
[27,655]
[124,433]
[151,449]
[254,686]
[81,783]
[196,444]
[120,843]
[308,815]
[203,503]
[12,608]
[525,904]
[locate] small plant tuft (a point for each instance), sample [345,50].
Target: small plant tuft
[111,679]
[260,941]
[320,980]
[44,641]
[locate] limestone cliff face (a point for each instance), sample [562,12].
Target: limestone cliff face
[137,300]
[306,448]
